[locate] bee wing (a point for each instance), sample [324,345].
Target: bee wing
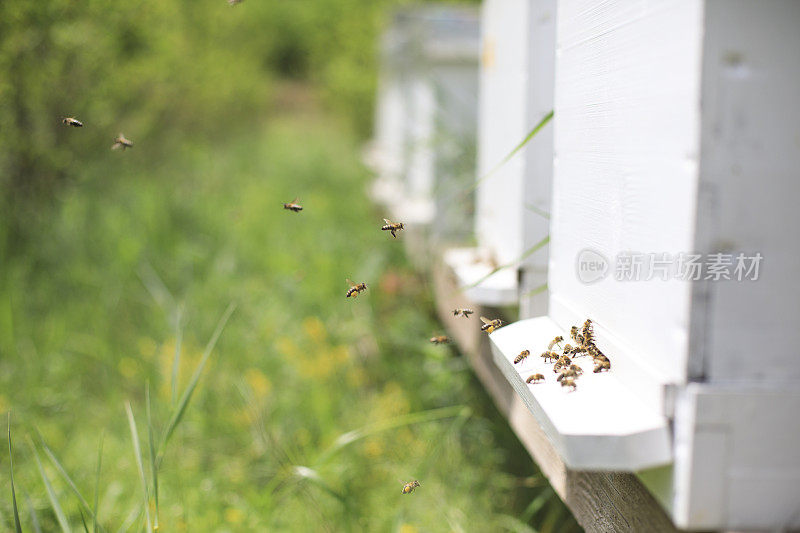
[350,282]
[296,199]
[485,320]
[387,221]
[116,145]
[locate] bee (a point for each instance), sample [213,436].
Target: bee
[392,227]
[121,142]
[490,325]
[234,2]
[355,288]
[557,340]
[563,361]
[569,382]
[522,355]
[573,332]
[577,351]
[573,371]
[568,348]
[588,332]
[534,378]
[601,364]
[440,339]
[463,312]
[550,356]
[72,121]
[293,206]
[409,487]
[579,339]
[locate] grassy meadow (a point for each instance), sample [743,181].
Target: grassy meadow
[176,349]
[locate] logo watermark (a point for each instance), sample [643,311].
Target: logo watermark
[592,266]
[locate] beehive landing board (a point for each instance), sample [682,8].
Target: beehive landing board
[600,426]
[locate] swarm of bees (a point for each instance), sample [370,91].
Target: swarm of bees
[440,339]
[293,205]
[409,487]
[463,312]
[490,325]
[563,365]
[391,227]
[355,288]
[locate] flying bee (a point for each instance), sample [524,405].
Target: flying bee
[293,206]
[563,361]
[440,339]
[355,288]
[522,355]
[602,365]
[72,121]
[569,382]
[392,227]
[121,142]
[409,487]
[463,312]
[557,340]
[534,378]
[490,325]
[549,357]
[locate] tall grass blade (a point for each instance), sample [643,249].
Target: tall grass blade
[17,525]
[177,414]
[541,212]
[65,475]
[511,523]
[152,282]
[51,494]
[536,290]
[400,421]
[537,503]
[97,483]
[83,520]
[37,528]
[138,455]
[531,134]
[525,255]
[153,469]
[176,361]
[134,515]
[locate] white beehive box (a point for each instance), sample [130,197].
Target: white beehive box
[426,116]
[513,99]
[676,131]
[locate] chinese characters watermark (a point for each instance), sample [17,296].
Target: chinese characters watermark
[592,266]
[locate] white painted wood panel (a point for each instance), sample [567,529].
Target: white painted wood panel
[749,183]
[626,157]
[502,124]
[538,155]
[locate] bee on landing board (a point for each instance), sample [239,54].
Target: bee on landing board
[409,487]
[573,332]
[490,325]
[355,288]
[572,371]
[554,342]
[601,365]
[392,227]
[562,362]
[440,339]
[72,121]
[121,142]
[569,382]
[534,378]
[522,355]
[549,357]
[463,312]
[293,206]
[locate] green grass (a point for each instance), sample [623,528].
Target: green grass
[303,412]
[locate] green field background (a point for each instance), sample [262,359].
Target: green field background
[118,268]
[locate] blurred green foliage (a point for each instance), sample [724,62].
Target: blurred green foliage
[313,407]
